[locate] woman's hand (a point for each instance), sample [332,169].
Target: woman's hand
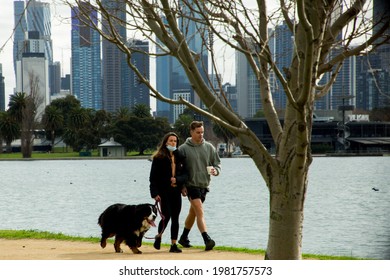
[173,181]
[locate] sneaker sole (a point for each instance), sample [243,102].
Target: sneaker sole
[210,245]
[185,245]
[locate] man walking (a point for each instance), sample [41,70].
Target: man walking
[202,160]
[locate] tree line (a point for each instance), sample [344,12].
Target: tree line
[83,128]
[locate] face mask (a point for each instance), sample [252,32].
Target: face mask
[171,148]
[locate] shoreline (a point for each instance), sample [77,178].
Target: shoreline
[78,158]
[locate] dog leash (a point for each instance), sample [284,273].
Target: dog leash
[158,206]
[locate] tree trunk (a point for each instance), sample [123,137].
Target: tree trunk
[8,147]
[285,231]
[287,187]
[286,217]
[52,140]
[26,145]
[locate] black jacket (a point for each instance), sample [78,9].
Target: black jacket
[161,173]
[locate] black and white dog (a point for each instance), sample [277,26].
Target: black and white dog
[127,223]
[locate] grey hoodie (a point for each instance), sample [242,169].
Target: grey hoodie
[198,157]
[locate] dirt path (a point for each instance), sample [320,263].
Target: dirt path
[37,249]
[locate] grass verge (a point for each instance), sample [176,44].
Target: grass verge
[35,234]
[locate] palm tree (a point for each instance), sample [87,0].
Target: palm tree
[17,103]
[66,106]
[9,129]
[76,122]
[123,113]
[52,120]
[77,118]
[182,126]
[141,111]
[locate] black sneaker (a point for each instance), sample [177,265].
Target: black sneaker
[157,243]
[185,242]
[209,244]
[174,249]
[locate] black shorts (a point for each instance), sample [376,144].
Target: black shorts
[194,193]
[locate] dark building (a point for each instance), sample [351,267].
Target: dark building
[137,92]
[328,137]
[372,83]
[115,70]
[373,70]
[65,82]
[55,78]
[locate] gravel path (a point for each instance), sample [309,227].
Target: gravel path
[38,249]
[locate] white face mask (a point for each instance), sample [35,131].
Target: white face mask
[171,148]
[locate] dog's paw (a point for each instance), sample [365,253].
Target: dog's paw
[135,250]
[103,244]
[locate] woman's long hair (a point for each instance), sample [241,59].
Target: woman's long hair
[162,150]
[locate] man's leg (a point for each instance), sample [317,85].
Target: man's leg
[197,206]
[189,222]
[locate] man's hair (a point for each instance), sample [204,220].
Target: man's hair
[196,124]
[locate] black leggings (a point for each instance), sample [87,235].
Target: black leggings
[170,208]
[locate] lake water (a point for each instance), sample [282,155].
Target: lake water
[343,215]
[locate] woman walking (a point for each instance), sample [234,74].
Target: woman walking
[167,176]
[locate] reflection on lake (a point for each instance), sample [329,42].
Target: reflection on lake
[343,215]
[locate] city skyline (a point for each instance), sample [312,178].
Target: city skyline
[60,14]
[61,38]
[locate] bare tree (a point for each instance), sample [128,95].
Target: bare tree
[29,116]
[317,26]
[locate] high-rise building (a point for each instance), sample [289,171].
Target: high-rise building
[163,83]
[55,77]
[120,84]
[33,16]
[381,14]
[373,70]
[283,53]
[33,46]
[372,84]
[20,27]
[197,36]
[248,89]
[86,62]
[38,19]
[65,82]
[247,85]
[378,63]
[2,90]
[363,101]
[137,93]
[32,71]
[114,66]
[170,77]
